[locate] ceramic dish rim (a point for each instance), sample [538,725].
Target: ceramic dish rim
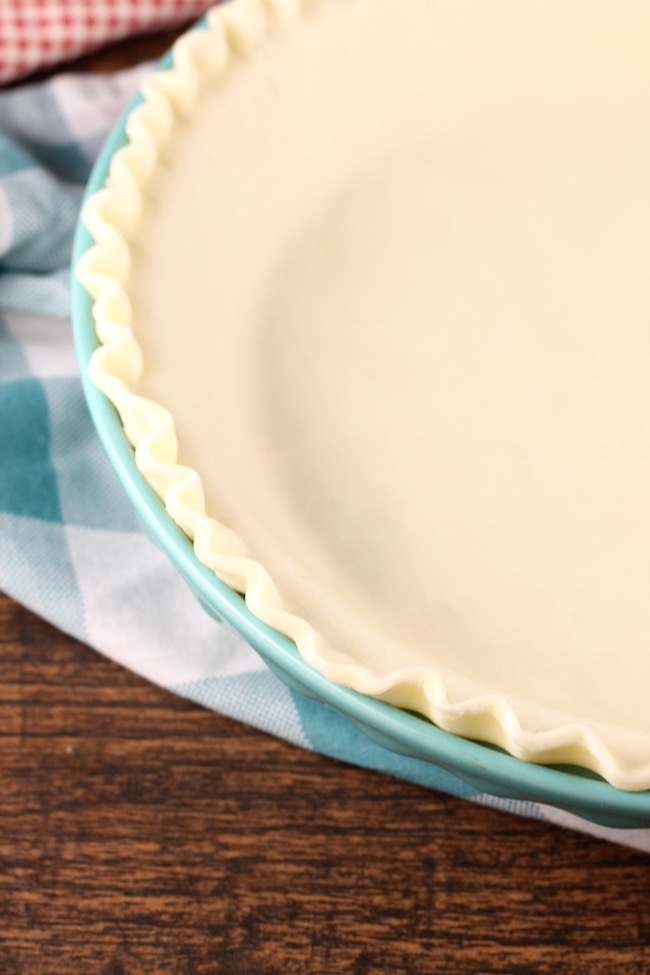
[571,788]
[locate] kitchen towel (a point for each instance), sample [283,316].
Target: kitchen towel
[37,33]
[70,547]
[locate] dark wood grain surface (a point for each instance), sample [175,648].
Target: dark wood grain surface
[142,834]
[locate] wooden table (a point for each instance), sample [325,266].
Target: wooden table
[142,834]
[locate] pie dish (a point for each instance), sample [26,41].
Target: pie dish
[370,285]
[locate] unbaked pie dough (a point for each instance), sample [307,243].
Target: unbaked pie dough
[388,270]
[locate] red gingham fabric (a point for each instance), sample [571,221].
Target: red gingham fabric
[37,33]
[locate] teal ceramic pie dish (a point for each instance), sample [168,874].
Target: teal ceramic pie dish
[482,766]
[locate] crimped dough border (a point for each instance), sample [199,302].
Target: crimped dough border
[110,216]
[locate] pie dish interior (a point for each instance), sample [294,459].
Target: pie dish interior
[371,282]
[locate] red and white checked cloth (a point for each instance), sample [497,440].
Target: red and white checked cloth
[35,34]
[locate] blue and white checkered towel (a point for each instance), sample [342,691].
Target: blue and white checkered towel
[70,547]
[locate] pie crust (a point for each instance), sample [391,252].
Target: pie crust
[371,282]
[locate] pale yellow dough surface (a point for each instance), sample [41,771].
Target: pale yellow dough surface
[393,283]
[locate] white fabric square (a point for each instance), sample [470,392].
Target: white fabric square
[139,612]
[639,839]
[90,106]
[46,343]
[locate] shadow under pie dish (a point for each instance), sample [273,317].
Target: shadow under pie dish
[370,286]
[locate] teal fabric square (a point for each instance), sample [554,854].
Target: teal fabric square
[13,158]
[28,483]
[40,138]
[45,215]
[331,734]
[80,461]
